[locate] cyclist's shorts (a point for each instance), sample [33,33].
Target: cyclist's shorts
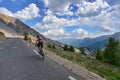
[40,44]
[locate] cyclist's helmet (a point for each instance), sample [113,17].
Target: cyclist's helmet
[37,36]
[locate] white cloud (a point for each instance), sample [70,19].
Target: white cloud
[55,33]
[98,14]
[54,21]
[51,22]
[5,11]
[105,21]
[80,33]
[28,13]
[106,29]
[60,33]
[40,26]
[85,8]
[109,19]
[60,7]
[91,9]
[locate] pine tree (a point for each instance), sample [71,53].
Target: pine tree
[71,49]
[49,46]
[111,50]
[65,48]
[53,46]
[117,58]
[99,55]
[82,51]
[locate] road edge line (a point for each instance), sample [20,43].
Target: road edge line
[71,78]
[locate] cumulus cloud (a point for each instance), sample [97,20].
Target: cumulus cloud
[28,13]
[98,14]
[60,7]
[40,26]
[108,21]
[60,33]
[51,21]
[85,8]
[88,9]
[80,33]
[5,11]
[106,29]
[55,33]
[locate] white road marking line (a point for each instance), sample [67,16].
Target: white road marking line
[28,45]
[14,47]
[36,52]
[71,78]
[23,41]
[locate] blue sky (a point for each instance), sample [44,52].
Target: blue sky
[60,19]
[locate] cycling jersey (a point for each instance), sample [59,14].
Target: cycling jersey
[39,42]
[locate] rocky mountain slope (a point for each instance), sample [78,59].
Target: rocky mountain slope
[13,27]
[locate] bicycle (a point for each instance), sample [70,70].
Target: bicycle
[41,52]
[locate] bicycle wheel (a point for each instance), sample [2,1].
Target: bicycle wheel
[43,55]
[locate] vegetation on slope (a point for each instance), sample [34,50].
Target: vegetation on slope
[106,70]
[111,54]
[26,37]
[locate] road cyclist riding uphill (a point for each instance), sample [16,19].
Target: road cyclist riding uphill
[39,44]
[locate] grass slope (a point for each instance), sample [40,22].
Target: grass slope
[105,70]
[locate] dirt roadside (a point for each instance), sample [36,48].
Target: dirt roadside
[73,67]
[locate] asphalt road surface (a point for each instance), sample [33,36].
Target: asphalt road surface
[19,61]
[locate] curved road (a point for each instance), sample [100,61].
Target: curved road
[18,61]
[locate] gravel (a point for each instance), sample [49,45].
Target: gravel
[73,67]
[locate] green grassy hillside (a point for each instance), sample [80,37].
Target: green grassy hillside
[105,70]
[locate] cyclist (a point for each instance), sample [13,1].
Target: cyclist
[39,42]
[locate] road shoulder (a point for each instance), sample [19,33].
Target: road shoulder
[73,67]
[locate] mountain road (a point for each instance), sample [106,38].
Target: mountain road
[19,61]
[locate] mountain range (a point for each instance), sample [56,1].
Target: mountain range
[91,43]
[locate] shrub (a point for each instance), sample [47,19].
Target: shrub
[65,48]
[71,49]
[25,36]
[53,46]
[49,46]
